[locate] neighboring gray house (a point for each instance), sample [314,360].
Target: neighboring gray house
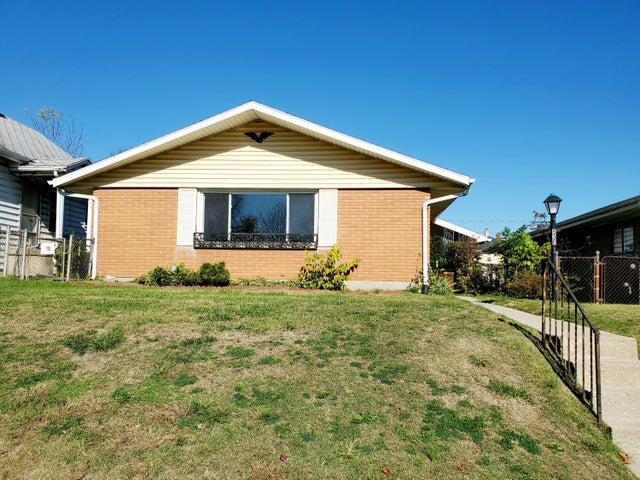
[27,160]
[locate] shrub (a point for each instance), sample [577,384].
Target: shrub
[462,256]
[322,270]
[159,276]
[520,252]
[214,274]
[209,274]
[181,275]
[439,284]
[525,284]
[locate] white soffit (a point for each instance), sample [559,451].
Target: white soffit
[243,114]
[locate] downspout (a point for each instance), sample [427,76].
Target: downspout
[92,225]
[425,233]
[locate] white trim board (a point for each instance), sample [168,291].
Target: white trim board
[461,230]
[256,111]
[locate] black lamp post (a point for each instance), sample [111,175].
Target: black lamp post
[552,204]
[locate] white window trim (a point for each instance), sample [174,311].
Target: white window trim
[200,205]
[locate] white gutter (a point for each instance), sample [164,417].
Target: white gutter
[425,233]
[92,223]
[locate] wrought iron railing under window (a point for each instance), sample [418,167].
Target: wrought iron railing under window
[279,241]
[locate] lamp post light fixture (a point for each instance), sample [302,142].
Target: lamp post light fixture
[552,204]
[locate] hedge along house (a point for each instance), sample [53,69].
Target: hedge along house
[256,187]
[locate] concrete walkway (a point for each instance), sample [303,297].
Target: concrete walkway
[620,377]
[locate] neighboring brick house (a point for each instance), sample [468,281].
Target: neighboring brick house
[256,187]
[611,230]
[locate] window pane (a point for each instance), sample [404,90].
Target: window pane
[216,212]
[628,240]
[301,213]
[617,240]
[258,213]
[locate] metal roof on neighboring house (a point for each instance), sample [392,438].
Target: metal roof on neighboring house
[32,151]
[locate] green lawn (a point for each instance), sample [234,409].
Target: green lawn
[620,319]
[124,381]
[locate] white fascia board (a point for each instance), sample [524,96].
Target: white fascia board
[251,111]
[461,230]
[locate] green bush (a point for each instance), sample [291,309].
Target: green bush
[159,276]
[524,284]
[209,274]
[214,274]
[439,284]
[322,270]
[181,275]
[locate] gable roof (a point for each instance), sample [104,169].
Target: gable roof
[31,150]
[256,111]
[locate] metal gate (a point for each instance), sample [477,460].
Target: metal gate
[579,273]
[621,280]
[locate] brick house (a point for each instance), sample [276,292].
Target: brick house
[257,187]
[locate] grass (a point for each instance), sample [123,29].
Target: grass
[620,319]
[123,381]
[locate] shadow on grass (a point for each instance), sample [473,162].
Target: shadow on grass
[558,368]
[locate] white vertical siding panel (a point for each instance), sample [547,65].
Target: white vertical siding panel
[10,198]
[327,217]
[187,206]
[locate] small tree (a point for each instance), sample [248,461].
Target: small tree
[520,252]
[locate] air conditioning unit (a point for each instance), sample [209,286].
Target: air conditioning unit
[47,248]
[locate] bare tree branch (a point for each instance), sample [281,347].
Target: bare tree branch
[66,133]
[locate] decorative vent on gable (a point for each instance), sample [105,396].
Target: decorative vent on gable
[258,137]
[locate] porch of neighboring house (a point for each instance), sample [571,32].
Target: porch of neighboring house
[33,220]
[31,244]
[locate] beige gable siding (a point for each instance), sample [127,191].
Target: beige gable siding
[285,160]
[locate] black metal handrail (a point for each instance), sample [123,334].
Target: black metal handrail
[282,241]
[571,338]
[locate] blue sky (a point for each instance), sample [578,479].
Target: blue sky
[527,97]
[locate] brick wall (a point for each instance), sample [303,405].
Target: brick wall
[137,231]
